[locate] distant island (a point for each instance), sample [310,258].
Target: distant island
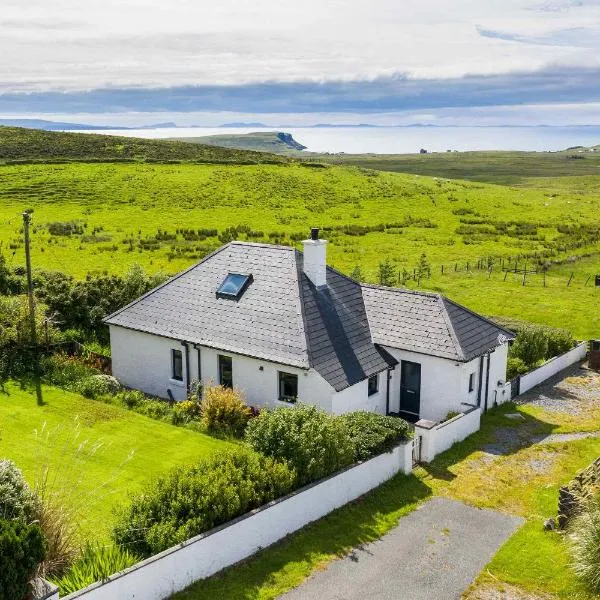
[277,142]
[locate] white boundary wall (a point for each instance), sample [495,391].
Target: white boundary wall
[173,570]
[437,438]
[552,367]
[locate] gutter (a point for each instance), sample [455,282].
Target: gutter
[197,347]
[487,383]
[387,391]
[481,358]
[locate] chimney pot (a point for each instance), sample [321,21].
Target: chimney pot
[314,233]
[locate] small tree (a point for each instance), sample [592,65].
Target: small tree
[356,273]
[387,273]
[223,410]
[530,345]
[424,268]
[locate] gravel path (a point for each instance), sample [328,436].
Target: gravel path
[434,553]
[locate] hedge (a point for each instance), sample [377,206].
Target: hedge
[191,500]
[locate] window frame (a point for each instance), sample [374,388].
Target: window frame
[222,358]
[472,382]
[370,390]
[176,354]
[281,375]
[248,279]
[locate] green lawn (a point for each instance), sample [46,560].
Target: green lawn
[97,453]
[128,213]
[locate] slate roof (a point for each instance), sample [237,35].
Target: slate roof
[281,317]
[428,324]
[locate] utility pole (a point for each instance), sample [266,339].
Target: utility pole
[34,342]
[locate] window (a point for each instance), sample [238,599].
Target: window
[225,371]
[288,387]
[176,365]
[472,382]
[373,384]
[233,286]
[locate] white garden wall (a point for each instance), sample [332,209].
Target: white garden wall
[552,367]
[433,439]
[173,570]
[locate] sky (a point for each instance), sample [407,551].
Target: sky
[384,61]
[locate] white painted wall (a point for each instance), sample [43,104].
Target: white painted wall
[173,570]
[445,383]
[143,361]
[441,437]
[552,367]
[357,397]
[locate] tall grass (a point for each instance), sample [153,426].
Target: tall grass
[585,545]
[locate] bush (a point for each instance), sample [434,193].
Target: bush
[21,551]
[186,412]
[585,545]
[92,387]
[65,371]
[224,411]
[16,499]
[559,341]
[191,500]
[530,345]
[372,434]
[130,398]
[155,409]
[96,563]
[314,443]
[515,366]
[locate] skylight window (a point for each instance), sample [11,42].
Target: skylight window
[233,286]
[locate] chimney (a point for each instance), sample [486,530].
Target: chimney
[315,258]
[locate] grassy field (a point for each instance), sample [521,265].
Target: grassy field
[97,454]
[105,217]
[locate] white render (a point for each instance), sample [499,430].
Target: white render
[552,367]
[434,440]
[315,261]
[445,382]
[173,570]
[143,361]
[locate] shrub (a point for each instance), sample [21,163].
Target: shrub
[155,409]
[130,398]
[16,499]
[224,411]
[186,411]
[530,345]
[314,443]
[559,341]
[21,551]
[372,434]
[92,387]
[96,563]
[585,546]
[65,371]
[191,500]
[515,366]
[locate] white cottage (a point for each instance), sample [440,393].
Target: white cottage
[281,325]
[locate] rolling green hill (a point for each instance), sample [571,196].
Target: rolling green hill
[262,141]
[18,144]
[105,217]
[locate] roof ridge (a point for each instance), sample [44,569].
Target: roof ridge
[481,317]
[389,288]
[261,245]
[167,282]
[450,326]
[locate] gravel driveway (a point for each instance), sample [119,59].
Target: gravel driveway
[434,553]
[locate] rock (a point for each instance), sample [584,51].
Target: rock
[550,524]
[515,416]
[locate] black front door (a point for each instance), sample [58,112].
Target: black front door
[410,388]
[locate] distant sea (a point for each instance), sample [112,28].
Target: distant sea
[401,140]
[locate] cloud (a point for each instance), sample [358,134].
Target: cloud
[385,94]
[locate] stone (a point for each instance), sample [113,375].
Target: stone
[515,416]
[550,524]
